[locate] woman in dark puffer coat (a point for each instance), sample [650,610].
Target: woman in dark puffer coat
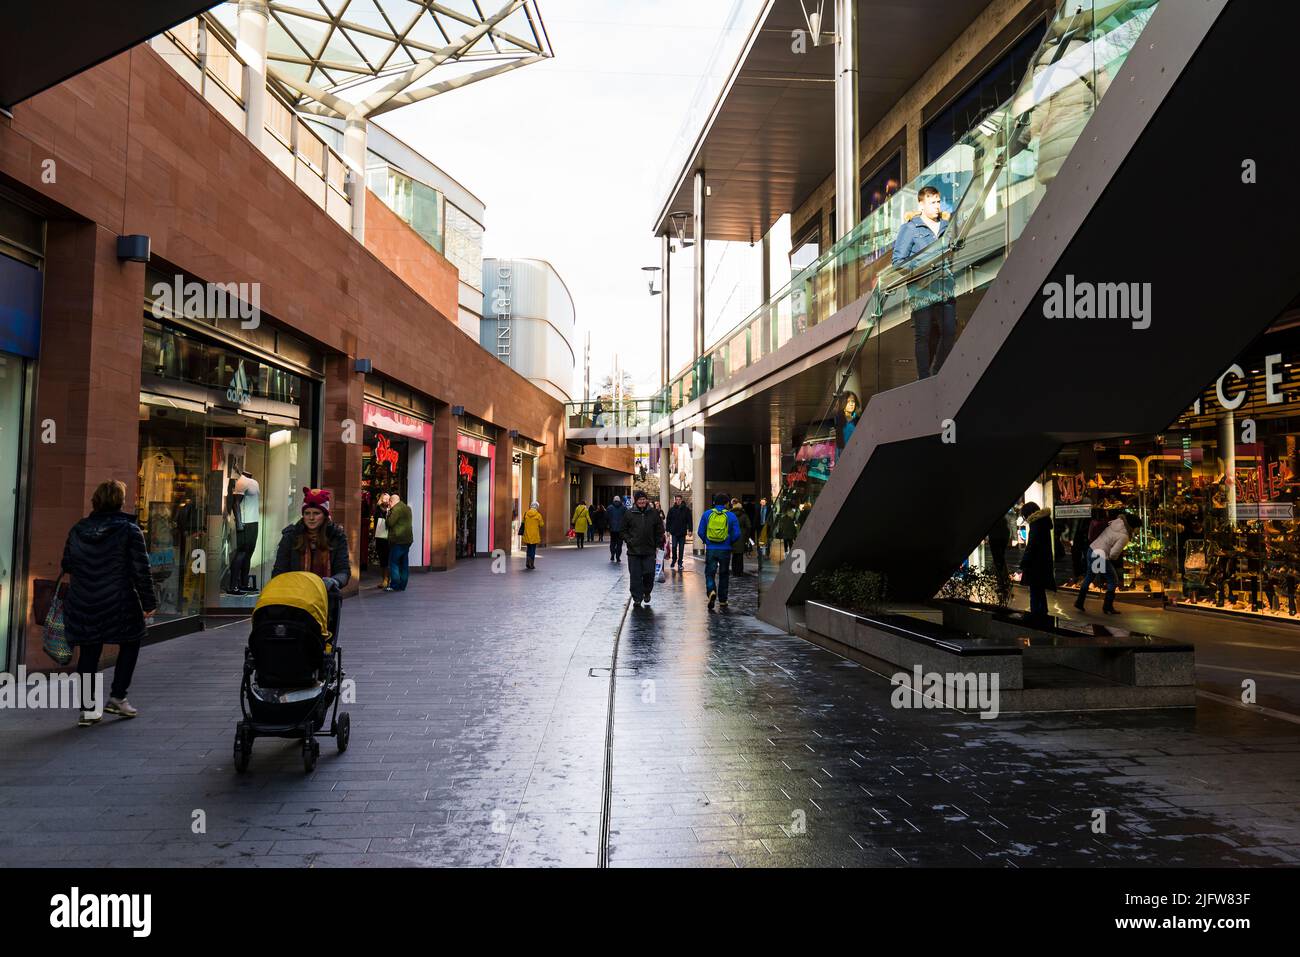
[110,594]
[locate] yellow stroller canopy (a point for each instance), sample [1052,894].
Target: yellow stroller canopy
[301,590]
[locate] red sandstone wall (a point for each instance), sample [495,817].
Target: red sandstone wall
[136,150]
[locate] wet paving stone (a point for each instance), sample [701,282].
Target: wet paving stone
[479,741]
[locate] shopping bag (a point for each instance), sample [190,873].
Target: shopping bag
[659,566]
[55,641]
[572,533]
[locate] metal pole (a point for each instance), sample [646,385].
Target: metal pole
[701,194]
[848,201]
[665,313]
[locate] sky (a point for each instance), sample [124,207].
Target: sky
[569,156]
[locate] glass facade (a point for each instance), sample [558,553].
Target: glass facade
[418,205]
[1215,494]
[227,443]
[12,390]
[465,246]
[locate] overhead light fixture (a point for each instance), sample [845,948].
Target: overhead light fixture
[679,221]
[814,17]
[652,270]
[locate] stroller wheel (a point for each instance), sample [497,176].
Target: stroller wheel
[243,749]
[310,752]
[342,731]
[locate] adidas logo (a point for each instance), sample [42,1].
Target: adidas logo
[240,390]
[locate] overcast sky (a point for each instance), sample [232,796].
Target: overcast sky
[569,155]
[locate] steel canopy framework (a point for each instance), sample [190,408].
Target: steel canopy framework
[317,50]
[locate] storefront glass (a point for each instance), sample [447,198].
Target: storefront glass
[474,459]
[1215,494]
[12,379]
[395,459]
[226,447]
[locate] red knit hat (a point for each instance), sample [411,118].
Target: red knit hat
[316,498]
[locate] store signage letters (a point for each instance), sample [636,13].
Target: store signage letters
[464,466]
[385,454]
[1273,377]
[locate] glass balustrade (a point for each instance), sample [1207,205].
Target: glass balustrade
[990,183]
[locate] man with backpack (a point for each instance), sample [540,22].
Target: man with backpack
[719,530]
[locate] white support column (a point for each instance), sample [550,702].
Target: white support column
[251,46]
[665,310]
[701,195]
[848,200]
[354,151]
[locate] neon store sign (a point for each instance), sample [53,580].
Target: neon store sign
[465,467]
[385,454]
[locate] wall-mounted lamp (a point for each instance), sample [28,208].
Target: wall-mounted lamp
[457,410]
[514,433]
[364,366]
[133,249]
[652,270]
[680,222]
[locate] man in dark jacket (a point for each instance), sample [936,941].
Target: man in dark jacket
[643,531]
[934,312]
[678,525]
[616,513]
[315,544]
[109,596]
[401,535]
[1036,564]
[739,545]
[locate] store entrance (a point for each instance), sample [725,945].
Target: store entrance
[473,497]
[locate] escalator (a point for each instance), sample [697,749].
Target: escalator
[1120,177]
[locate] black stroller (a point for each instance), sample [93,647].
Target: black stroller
[293,670]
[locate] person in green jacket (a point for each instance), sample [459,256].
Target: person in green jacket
[581,522]
[401,534]
[738,546]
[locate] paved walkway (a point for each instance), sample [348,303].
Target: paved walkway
[479,739]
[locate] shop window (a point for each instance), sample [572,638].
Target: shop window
[227,443]
[994,87]
[882,184]
[805,249]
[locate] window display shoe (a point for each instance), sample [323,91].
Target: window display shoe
[120,707]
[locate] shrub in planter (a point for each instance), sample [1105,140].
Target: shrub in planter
[852,589]
[979,586]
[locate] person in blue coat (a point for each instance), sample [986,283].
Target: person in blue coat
[934,311]
[719,530]
[617,515]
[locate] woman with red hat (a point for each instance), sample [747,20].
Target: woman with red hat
[315,544]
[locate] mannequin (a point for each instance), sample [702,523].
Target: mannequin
[247,507]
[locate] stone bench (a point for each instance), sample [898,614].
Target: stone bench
[906,642]
[1128,657]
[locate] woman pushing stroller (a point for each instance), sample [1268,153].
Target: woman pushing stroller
[293,668]
[315,544]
